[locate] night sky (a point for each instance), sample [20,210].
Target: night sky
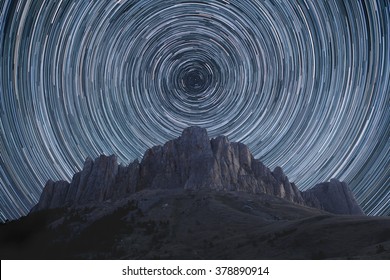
[304,83]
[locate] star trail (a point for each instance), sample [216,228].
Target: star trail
[305,84]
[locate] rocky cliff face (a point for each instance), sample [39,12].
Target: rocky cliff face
[334,197]
[99,180]
[192,161]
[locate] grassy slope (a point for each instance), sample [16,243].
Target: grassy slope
[178,224]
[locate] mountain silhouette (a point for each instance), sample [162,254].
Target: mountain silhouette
[191,162]
[193,198]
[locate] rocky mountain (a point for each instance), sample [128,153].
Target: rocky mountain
[334,197]
[193,198]
[192,162]
[194,224]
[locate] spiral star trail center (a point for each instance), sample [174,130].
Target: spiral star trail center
[194,81]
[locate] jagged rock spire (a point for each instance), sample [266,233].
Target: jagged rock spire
[192,161]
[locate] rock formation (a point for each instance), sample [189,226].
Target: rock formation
[334,197]
[192,161]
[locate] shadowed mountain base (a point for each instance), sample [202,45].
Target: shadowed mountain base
[193,198]
[188,224]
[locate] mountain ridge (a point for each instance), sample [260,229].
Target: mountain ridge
[191,161]
[193,198]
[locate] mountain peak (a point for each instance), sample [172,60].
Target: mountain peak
[333,196]
[192,161]
[196,131]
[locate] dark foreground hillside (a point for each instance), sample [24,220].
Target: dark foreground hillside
[202,224]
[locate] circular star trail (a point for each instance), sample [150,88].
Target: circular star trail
[305,84]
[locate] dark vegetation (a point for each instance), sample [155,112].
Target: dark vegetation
[178,224]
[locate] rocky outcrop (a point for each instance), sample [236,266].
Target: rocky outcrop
[234,168]
[125,182]
[334,197]
[185,162]
[97,182]
[53,195]
[192,161]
